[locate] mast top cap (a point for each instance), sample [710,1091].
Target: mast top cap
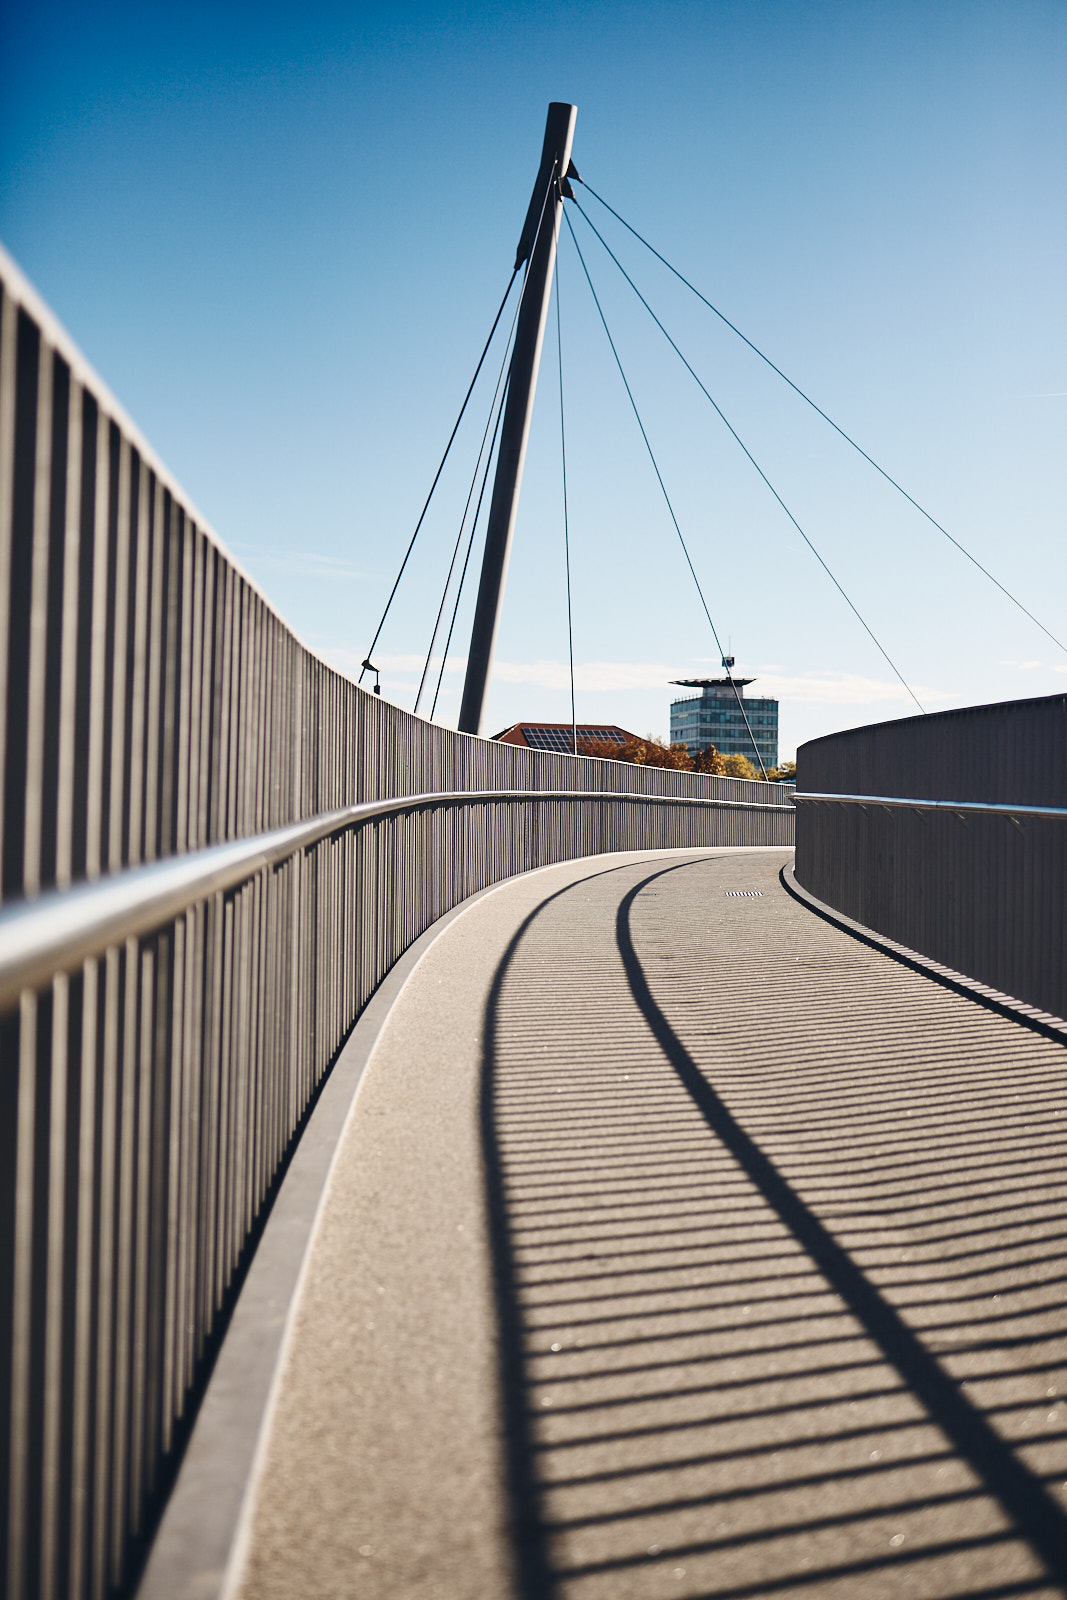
[555,158]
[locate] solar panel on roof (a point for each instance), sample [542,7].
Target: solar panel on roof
[560,738]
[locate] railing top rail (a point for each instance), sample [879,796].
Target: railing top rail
[59,930]
[934,719]
[978,806]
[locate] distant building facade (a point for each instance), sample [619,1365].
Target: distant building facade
[714,717]
[557,735]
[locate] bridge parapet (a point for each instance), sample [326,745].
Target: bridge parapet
[202,889]
[948,835]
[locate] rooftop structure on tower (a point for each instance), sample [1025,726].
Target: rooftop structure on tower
[715,717]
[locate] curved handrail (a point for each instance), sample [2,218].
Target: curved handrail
[978,806]
[60,929]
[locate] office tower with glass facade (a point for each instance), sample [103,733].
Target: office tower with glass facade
[714,717]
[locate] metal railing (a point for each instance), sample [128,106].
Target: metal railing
[1012,753]
[58,932]
[213,848]
[973,874]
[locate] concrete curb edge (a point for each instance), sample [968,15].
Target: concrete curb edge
[195,1554]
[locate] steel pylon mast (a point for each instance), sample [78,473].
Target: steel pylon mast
[537,246]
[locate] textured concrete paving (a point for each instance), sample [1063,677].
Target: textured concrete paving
[680,1245]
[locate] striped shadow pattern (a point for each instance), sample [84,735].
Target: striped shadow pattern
[779,1246]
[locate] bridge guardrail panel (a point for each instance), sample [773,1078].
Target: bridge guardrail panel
[948,834]
[154,706]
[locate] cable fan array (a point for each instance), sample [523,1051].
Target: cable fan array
[452,590]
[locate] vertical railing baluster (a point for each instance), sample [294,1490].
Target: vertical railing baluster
[8,370]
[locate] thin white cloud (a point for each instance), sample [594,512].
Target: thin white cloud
[346,660]
[824,688]
[415,663]
[614,677]
[827,688]
[590,677]
[841,689]
[301,563]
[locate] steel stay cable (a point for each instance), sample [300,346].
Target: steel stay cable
[666,496]
[733,431]
[467,557]
[470,497]
[488,459]
[437,474]
[826,418]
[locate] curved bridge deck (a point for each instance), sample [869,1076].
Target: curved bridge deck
[678,1245]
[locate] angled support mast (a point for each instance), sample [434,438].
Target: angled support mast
[537,246]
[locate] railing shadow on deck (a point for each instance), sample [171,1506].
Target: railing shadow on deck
[669,1410]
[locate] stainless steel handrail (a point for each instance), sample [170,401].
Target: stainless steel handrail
[979,807]
[59,930]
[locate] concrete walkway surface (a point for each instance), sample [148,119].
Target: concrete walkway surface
[679,1245]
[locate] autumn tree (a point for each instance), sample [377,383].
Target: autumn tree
[647,752]
[709,760]
[652,752]
[738,766]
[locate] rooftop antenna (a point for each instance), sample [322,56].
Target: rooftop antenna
[537,246]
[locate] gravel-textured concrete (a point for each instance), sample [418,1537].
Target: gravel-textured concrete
[686,1247]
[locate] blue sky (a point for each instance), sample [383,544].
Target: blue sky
[280,234]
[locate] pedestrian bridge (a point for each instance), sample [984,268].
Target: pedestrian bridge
[431,1167]
[674,1242]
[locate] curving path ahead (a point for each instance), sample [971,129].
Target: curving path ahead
[678,1245]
